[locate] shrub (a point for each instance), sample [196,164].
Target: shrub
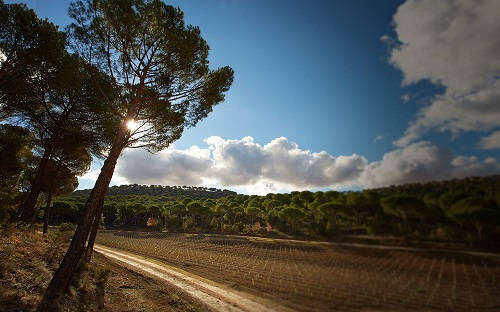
[226,228]
[153,224]
[247,229]
[67,227]
[215,224]
[187,223]
[238,227]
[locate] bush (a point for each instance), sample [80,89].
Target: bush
[226,228]
[247,229]
[238,227]
[67,227]
[153,224]
[215,224]
[187,223]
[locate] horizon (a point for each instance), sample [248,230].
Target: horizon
[312,191]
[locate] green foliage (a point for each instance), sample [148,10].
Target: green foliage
[187,223]
[409,210]
[292,215]
[61,99]
[162,192]
[414,212]
[478,212]
[160,64]
[16,161]
[447,199]
[400,206]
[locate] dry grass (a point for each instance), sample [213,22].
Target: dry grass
[28,260]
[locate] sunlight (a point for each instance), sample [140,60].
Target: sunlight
[132,125]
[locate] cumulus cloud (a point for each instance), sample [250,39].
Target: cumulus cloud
[169,167]
[422,162]
[491,141]
[281,166]
[455,44]
[243,162]
[91,176]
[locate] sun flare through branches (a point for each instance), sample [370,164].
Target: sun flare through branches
[132,125]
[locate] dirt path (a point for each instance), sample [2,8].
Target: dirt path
[215,297]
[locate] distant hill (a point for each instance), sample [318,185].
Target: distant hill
[173,192]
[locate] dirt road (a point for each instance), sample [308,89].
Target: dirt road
[213,296]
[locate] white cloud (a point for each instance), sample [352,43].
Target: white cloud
[91,176]
[282,166]
[491,142]
[170,166]
[405,98]
[243,164]
[421,162]
[453,43]
[281,163]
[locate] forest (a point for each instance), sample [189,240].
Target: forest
[466,210]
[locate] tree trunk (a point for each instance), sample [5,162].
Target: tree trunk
[46,214]
[93,234]
[75,255]
[27,210]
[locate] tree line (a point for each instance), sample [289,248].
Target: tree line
[465,210]
[193,192]
[123,74]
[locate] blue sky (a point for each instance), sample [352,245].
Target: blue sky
[325,75]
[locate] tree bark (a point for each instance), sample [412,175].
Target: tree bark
[93,234]
[75,255]
[46,214]
[27,210]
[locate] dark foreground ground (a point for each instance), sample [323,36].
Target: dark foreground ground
[28,260]
[321,277]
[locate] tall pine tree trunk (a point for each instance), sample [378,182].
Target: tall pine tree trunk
[75,255]
[93,234]
[27,209]
[46,214]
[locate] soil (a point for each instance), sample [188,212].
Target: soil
[325,277]
[214,296]
[129,291]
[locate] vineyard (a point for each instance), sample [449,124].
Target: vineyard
[319,277]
